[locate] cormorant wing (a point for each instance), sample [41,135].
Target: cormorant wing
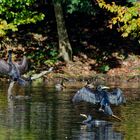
[85,94]
[4,67]
[116,97]
[23,65]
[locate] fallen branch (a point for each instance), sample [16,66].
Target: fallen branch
[36,76]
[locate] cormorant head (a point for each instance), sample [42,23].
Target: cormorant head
[101,87]
[89,118]
[9,53]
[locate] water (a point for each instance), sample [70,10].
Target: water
[50,115]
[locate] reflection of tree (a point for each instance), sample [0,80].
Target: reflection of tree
[58,115]
[18,121]
[26,118]
[64,121]
[131,125]
[39,119]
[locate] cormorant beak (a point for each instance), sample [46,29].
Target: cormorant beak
[105,87]
[83,115]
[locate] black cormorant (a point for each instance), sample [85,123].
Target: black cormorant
[90,121]
[14,69]
[60,86]
[102,97]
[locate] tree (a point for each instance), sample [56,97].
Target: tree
[17,12]
[65,49]
[127,18]
[70,6]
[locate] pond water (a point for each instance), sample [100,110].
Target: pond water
[50,115]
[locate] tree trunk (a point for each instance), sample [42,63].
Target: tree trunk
[65,49]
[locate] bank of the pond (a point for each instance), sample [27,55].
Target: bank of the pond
[128,70]
[125,82]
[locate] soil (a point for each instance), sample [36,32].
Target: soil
[81,68]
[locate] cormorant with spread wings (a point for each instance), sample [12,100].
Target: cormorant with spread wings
[14,69]
[102,97]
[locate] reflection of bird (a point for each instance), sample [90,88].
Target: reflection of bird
[14,69]
[100,96]
[98,129]
[89,118]
[92,122]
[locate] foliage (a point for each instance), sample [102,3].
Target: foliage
[53,56]
[84,6]
[104,68]
[17,12]
[131,1]
[42,57]
[126,18]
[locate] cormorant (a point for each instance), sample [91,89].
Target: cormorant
[102,97]
[90,121]
[60,86]
[14,69]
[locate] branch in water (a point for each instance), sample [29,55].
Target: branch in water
[36,76]
[116,117]
[10,94]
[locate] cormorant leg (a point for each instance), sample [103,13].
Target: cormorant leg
[102,105]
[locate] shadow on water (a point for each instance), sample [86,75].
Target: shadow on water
[50,115]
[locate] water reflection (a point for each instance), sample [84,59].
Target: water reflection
[50,115]
[101,131]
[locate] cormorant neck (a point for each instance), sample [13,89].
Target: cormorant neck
[9,56]
[10,89]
